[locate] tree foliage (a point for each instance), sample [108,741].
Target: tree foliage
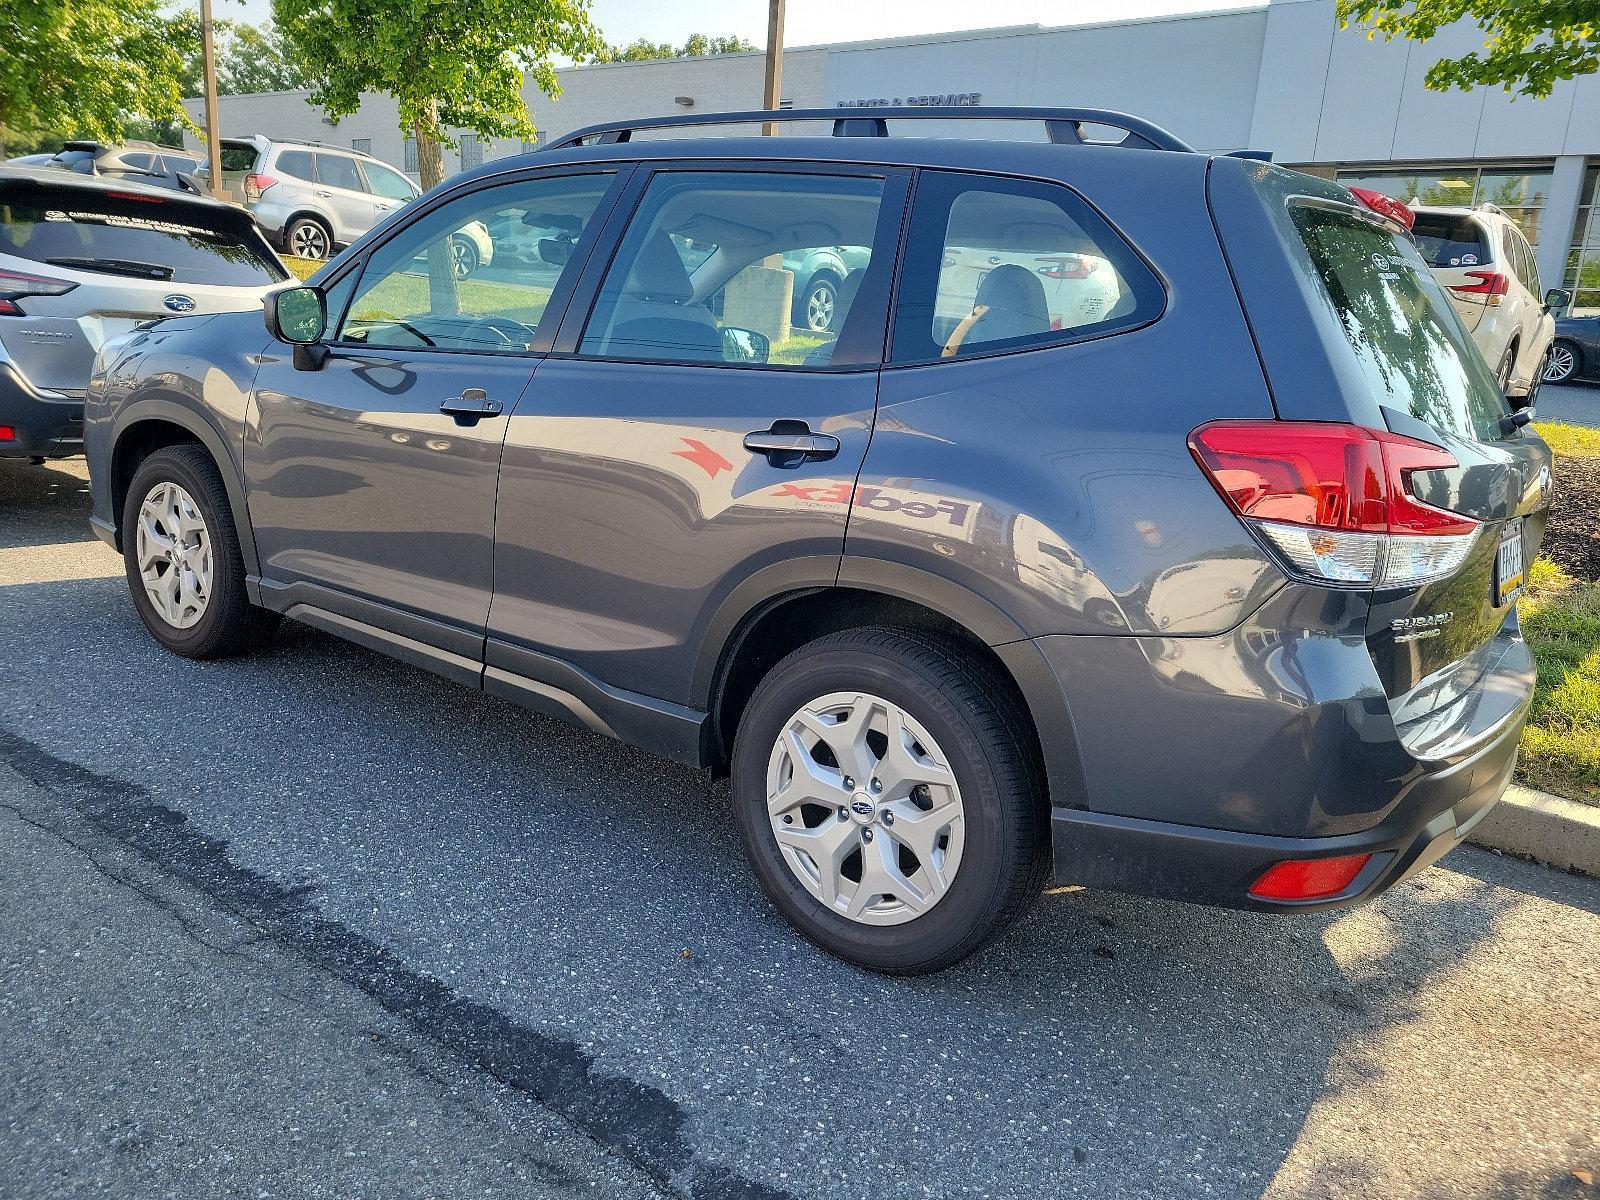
[1531,44]
[81,69]
[448,65]
[698,46]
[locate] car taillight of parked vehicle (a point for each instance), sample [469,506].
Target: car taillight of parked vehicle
[1067,266]
[255,184]
[1491,286]
[16,285]
[1335,500]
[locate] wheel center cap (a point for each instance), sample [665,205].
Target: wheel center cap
[861,808]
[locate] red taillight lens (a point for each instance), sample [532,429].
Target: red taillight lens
[14,285]
[1491,286]
[1067,266]
[7,433]
[1309,878]
[255,184]
[1336,499]
[1385,206]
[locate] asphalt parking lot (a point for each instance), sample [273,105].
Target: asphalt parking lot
[315,923]
[1575,404]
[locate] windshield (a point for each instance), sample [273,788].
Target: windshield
[132,237]
[1404,334]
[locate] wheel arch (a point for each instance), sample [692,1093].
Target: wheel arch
[753,632]
[154,423]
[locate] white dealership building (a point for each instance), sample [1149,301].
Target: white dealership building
[1281,77]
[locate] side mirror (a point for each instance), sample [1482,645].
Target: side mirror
[299,316]
[1557,298]
[744,345]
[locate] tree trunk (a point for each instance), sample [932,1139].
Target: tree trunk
[443,294]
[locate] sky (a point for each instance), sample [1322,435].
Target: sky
[810,22]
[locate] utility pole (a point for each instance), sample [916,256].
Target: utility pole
[208,48]
[774,85]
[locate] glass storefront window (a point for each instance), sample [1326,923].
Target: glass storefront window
[1582,276]
[1521,191]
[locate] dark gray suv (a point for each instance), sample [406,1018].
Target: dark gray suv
[1175,550]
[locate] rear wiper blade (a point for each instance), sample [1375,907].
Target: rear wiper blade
[116,266]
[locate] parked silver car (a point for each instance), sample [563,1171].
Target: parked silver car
[311,198]
[141,162]
[83,260]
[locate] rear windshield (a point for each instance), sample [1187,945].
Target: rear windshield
[1405,336]
[238,156]
[133,238]
[1447,241]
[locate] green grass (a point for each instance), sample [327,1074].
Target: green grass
[303,268]
[1570,441]
[793,351]
[1561,745]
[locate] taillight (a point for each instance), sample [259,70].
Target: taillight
[1335,500]
[1309,878]
[1385,206]
[1491,286]
[1067,266]
[7,433]
[255,184]
[14,285]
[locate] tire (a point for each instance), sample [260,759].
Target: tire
[1508,363]
[464,255]
[819,304]
[215,618]
[1563,363]
[309,238]
[996,852]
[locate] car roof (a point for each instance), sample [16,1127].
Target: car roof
[56,177]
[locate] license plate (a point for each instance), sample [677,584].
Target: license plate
[1508,565]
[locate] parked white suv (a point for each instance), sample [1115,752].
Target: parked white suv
[1487,269]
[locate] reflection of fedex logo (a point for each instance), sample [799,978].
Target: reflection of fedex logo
[877,500]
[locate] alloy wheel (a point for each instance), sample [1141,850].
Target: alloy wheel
[819,308]
[464,257]
[865,808]
[174,553]
[1559,364]
[309,240]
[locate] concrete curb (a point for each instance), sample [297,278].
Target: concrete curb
[1545,828]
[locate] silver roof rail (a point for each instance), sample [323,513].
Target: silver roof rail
[1065,126]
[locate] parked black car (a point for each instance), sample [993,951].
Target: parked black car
[1575,354]
[1196,582]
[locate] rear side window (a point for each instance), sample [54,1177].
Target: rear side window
[136,239]
[1408,343]
[296,164]
[336,170]
[1001,264]
[1447,241]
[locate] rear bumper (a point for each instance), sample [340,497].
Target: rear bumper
[45,424]
[1213,787]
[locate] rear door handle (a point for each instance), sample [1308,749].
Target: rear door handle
[472,405]
[790,443]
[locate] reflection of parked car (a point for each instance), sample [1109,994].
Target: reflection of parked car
[819,275]
[1488,271]
[1198,580]
[83,260]
[139,162]
[1575,354]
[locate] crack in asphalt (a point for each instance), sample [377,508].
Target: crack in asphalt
[637,1121]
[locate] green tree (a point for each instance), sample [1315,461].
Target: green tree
[698,46]
[257,58]
[448,65]
[83,68]
[1532,44]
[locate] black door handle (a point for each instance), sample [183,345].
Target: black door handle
[472,405]
[790,443]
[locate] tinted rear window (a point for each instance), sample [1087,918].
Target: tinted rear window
[238,156]
[1450,241]
[135,239]
[1402,331]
